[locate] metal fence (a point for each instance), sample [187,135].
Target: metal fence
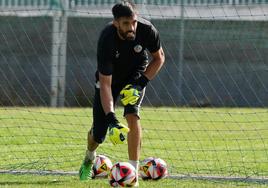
[169,2]
[167,18]
[86,3]
[25,4]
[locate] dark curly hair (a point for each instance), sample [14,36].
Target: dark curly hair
[124,9]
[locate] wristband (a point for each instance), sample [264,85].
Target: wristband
[142,81]
[111,118]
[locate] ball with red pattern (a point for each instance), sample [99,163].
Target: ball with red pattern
[122,174]
[101,166]
[153,168]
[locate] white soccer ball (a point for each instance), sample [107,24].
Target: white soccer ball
[122,174]
[101,166]
[153,168]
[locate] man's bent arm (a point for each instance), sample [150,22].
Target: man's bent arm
[106,93]
[156,64]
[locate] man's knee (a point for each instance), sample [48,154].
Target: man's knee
[96,137]
[132,117]
[133,121]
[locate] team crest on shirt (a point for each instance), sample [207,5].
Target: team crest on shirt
[138,48]
[117,54]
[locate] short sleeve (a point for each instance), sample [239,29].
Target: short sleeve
[104,57]
[153,43]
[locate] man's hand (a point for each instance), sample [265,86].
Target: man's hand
[116,130]
[130,94]
[117,133]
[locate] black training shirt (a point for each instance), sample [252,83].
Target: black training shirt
[124,59]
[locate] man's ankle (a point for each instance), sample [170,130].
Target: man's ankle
[89,157]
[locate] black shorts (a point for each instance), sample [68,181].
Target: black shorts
[99,126]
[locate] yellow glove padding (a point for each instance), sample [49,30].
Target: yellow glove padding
[117,133]
[129,95]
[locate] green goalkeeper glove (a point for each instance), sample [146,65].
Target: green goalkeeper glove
[116,130]
[130,94]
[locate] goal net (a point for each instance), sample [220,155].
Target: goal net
[205,114]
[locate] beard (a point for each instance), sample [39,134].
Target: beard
[128,35]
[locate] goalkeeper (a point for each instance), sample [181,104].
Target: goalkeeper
[123,70]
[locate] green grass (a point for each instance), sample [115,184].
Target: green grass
[193,141]
[33,181]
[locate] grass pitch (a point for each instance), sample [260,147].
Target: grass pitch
[218,142]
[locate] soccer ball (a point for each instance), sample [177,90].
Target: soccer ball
[101,166]
[122,174]
[153,168]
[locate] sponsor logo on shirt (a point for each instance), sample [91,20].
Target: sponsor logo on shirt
[138,48]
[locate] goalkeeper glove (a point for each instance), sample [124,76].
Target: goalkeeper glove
[116,130]
[130,95]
